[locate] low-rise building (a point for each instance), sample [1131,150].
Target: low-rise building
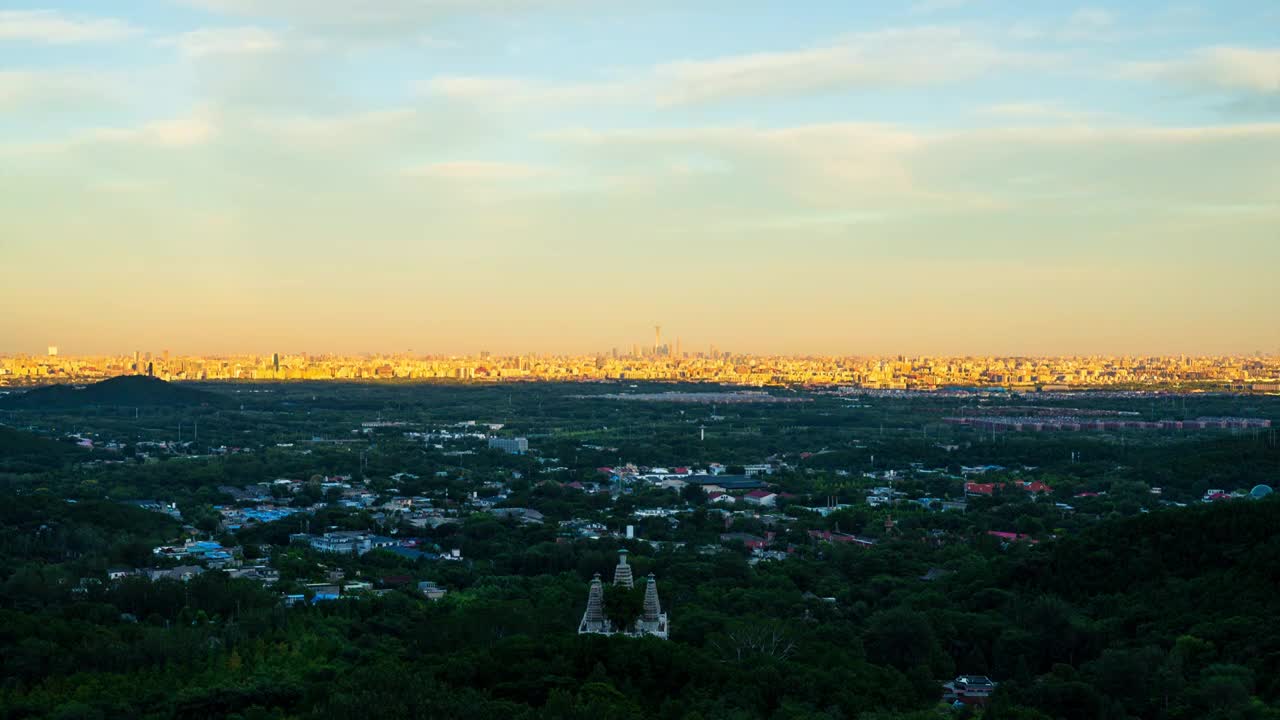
[969,690]
[431,591]
[761,497]
[182,573]
[513,446]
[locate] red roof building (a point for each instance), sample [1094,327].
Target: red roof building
[839,537]
[1034,486]
[1011,537]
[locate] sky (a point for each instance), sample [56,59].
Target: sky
[797,176]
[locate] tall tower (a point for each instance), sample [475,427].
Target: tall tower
[653,621]
[593,620]
[657,338]
[651,607]
[622,573]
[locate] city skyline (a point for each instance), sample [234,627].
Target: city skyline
[1258,374]
[940,177]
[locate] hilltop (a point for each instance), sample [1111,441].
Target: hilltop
[128,390]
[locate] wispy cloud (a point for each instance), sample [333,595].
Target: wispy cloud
[1243,81]
[1030,111]
[887,59]
[56,28]
[893,169]
[223,41]
[1100,135]
[904,57]
[335,130]
[357,20]
[1231,68]
[929,7]
[184,131]
[477,171]
[1088,23]
[818,165]
[514,91]
[35,90]
[1082,25]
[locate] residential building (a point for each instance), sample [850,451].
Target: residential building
[969,690]
[761,497]
[513,446]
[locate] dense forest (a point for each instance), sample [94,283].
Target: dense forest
[1123,605]
[1166,615]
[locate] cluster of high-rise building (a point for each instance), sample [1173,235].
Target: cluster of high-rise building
[1259,373]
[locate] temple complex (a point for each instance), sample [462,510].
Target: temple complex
[652,621]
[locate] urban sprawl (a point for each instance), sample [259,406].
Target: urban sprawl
[1258,373]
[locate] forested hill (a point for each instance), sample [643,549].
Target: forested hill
[1170,614]
[1239,542]
[129,390]
[23,452]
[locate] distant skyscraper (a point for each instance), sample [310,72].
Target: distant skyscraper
[53,351]
[275,362]
[657,338]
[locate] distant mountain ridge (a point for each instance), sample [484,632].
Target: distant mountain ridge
[127,390]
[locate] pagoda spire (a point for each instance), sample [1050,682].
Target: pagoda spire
[622,573]
[593,620]
[653,622]
[652,610]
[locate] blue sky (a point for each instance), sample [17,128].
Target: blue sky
[560,174]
